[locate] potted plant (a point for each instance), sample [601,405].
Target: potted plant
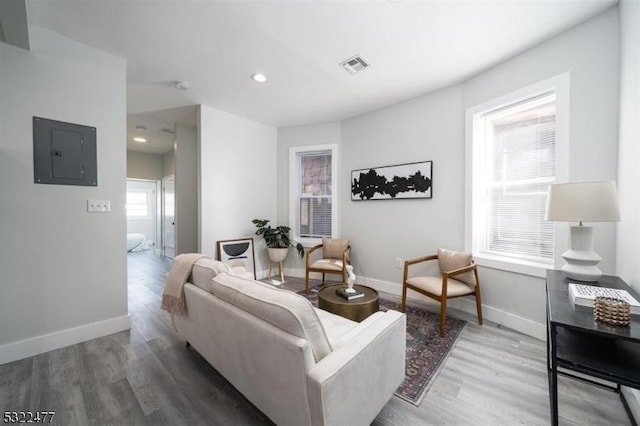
[277,240]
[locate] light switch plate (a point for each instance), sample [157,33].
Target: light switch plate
[98,206]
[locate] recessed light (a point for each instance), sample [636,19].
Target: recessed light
[259,77]
[182,85]
[138,139]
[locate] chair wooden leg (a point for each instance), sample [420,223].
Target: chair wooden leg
[323,278]
[479,306]
[478,298]
[403,304]
[443,315]
[306,282]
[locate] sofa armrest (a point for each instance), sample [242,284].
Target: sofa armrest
[352,384]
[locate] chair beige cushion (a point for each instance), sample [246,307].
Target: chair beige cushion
[204,270]
[433,285]
[449,260]
[333,248]
[282,308]
[327,264]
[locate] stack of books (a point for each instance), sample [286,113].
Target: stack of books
[584,295]
[349,296]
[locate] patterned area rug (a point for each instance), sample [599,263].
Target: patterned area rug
[426,350]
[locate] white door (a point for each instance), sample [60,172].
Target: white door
[168,217]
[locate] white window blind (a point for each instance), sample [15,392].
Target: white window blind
[315,195]
[137,204]
[519,165]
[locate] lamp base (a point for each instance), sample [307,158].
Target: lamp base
[581,259]
[582,272]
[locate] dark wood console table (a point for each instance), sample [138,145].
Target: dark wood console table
[576,342]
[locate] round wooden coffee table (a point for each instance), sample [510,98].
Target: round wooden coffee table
[356,309]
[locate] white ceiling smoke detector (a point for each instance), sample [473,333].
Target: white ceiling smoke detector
[182,85]
[355,64]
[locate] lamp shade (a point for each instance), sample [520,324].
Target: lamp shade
[583,202]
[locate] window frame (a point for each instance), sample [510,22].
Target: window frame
[560,86]
[294,189]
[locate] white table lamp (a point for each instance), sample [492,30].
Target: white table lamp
[582,202]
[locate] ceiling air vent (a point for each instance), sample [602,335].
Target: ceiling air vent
[355,64]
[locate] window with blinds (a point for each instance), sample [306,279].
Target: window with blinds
[512,178]
[137,204]
[315,196]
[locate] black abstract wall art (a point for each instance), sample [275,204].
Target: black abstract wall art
[403,181]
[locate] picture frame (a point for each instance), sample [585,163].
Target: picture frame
[238,254]
[397,182]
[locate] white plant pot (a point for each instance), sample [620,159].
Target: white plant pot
[277,255]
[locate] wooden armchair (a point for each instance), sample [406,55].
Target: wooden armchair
[336,255]
[459,277]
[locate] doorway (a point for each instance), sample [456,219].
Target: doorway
[142,216]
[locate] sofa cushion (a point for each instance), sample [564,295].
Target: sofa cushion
[450,260]
[333,248]
[334,325]
[204,270]
[282,308]
[238,267]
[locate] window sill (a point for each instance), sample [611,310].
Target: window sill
[512,265]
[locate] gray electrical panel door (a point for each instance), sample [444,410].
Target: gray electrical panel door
[64,153]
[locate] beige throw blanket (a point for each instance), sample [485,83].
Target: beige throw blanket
[173,299]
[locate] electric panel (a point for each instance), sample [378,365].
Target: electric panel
[64,153]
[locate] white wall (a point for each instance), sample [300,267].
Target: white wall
[628,232]
[316,134]
[590,53]
[237,179]
[426,128]
[431,127]
[168,163]
[63,270]
[186,172]
[628,243]
[144,165]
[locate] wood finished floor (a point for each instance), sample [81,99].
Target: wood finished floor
[146,376]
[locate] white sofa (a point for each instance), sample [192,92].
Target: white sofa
[297,364]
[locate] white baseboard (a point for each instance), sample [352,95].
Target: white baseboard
[503,318]
[47,342]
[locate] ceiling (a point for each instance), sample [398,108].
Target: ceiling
[414,47]
[158,128]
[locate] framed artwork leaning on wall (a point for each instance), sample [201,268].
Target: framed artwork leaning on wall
[239,255]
